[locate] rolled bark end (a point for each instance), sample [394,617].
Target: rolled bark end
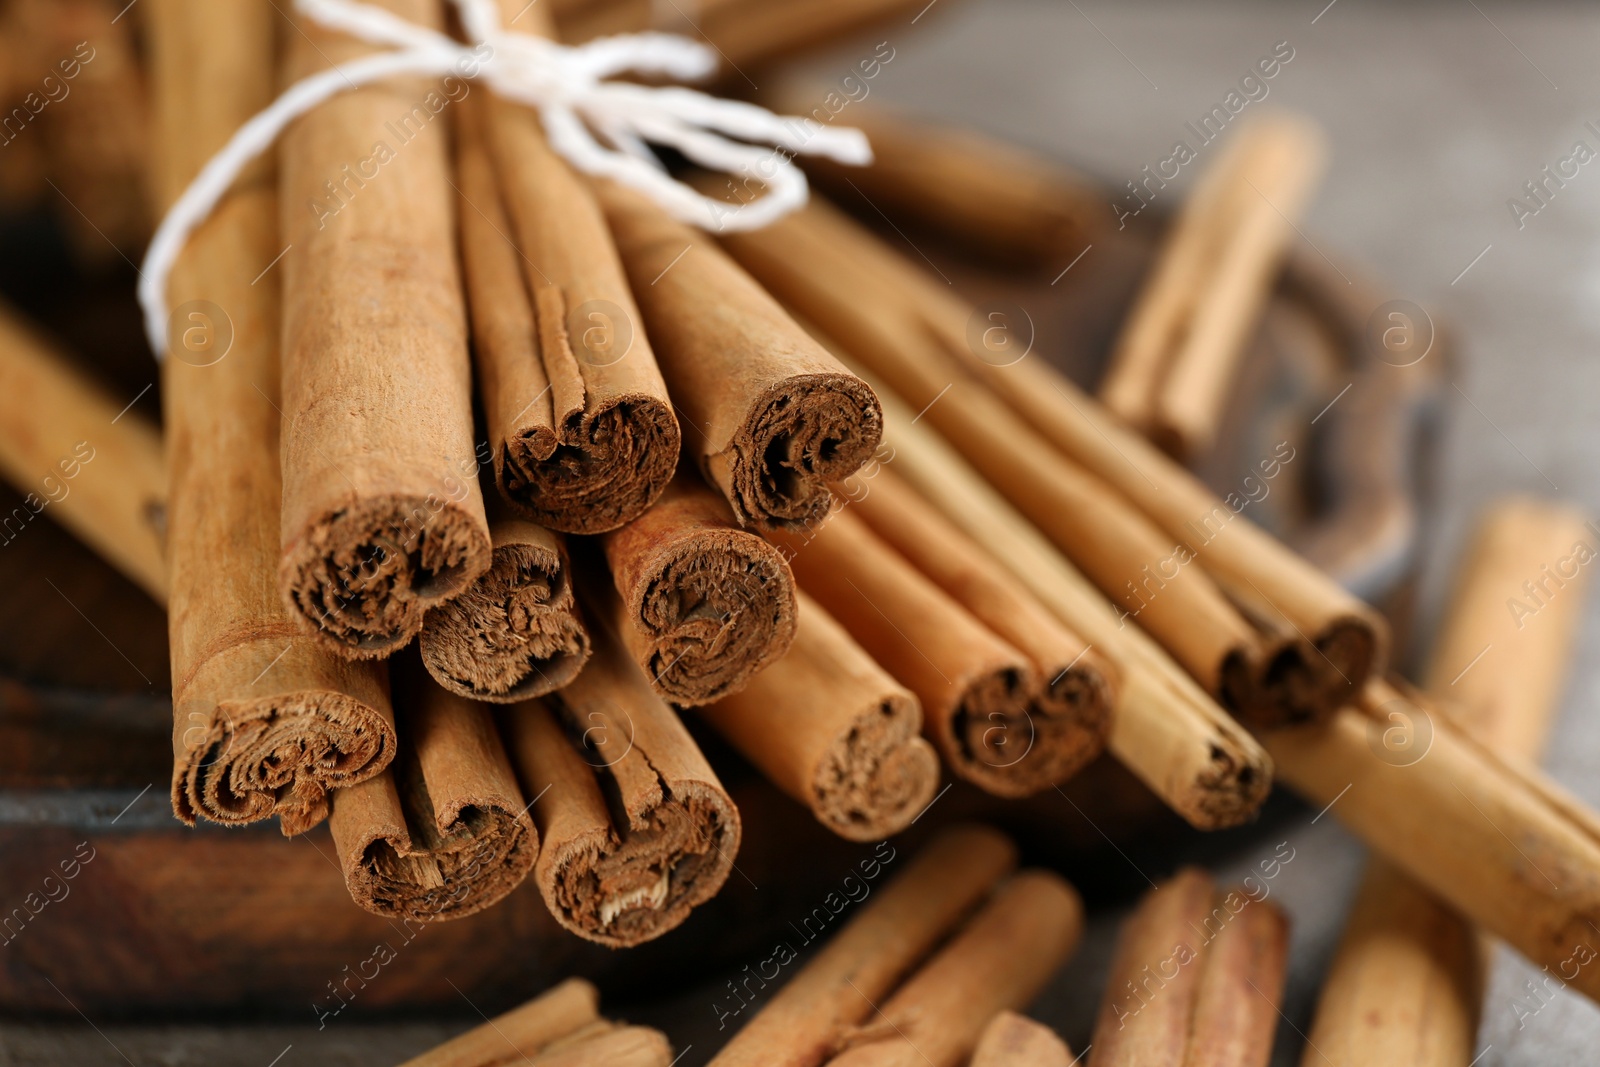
[515,634]
[1295,680]
[280,756]
[625,889]
[362,578]
[803,433]
[481,854]
[1017,751]
[717,608]
[602,470]
[1232,788]
[877,776]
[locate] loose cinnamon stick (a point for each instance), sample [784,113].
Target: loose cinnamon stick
[619,882]
[969,680]
[807,1020]
[583,431]
[1012,1040]
[1069,714]
[840,277]
[382,515]
[1165,728]
[1195,981]
[999,960]
[619,1046]
[524,1031]
[1179,350]
[59,423]
[1406,983]
[265,720]
[773,417]
[515,633]
[705,605]
[1504,846]
[444,831]
[829,726]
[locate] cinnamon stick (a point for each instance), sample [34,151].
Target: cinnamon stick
[265,720]
[773,417]
[828,726]
[1196,979]
[1001,959]
[618,1046]
[1407,981]
[515,633]
[59,423]
[524,1031]
[705,605]
[839,276]
[1179,351]
[808,1019]
[638,830]
[1012,1040]
[583,432]
[1164,728]
[1069,713]
[443,832]
[382,515]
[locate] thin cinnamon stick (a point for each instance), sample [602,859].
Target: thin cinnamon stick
[807,1020]
[1180,348]
[583,432]
[515,633]
[830,727]
[382,515]
[840,277]
[524,1031]
[1165,728]
[638,831]
[970,682]
[1012,1040]
[1196,979]
[1406,984]
[1069,714]
[443,832]
[773,417]
[999,960]
[705,605]
[59,423]
[265,720]
[1504,846]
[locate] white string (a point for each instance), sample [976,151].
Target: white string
[567,85]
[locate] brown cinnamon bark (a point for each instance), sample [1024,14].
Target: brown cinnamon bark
[705,606]
[443,832]
[808,1020]
[515,633]
[1165,729]
[773,417]
[583,432]
[265,720]
[524,1031]
[1407,982]
[1195,981]
[1001,959]
[872,303]
[969,680]
[1012,1040]
[382,515]
[620,882]
[1069,714]
[829,726]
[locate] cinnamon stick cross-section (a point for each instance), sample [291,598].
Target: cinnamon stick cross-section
[515,633]
[382,514]
[705,605]
[637,828]
[444,832]
[772,417]
[832,729]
